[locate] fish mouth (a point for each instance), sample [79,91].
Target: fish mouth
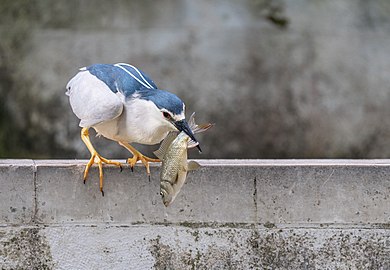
[164,195]
[182,125]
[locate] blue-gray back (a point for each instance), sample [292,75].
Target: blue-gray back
[122,77]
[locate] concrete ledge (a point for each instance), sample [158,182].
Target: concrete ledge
[282,214]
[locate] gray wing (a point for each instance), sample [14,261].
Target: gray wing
[91,99]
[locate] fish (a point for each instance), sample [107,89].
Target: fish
[175,166]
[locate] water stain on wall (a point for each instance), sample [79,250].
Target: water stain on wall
[25,248]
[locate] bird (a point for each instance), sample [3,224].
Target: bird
[121,103]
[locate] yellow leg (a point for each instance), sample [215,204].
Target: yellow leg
[95,158]
[138,156]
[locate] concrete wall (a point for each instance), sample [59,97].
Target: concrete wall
[230,214]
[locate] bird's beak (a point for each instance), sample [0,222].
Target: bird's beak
[182,125]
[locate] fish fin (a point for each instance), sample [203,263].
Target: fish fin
[192,165]
[191,121]
[162,150]
[203,127]
[192,144]
[177,178]
[197,128]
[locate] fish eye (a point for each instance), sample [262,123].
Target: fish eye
[162,194]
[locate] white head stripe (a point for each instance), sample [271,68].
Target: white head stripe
[140,74]
[132,75]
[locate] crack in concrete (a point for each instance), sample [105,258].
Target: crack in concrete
[35,206]
[255,200]
[327,179]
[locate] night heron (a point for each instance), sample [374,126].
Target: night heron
[124,105]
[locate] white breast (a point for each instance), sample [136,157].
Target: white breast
[140,122]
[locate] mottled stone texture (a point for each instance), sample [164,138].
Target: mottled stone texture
[230,214]
[281,79]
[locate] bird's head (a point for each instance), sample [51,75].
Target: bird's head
[171,111]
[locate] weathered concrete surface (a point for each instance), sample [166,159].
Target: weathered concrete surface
[17,191]
[230,214]
[177,247]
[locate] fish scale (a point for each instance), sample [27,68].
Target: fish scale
[174,167]
[176,154]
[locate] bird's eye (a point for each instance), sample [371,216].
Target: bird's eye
[167,115]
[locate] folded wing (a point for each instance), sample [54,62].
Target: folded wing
[91,99]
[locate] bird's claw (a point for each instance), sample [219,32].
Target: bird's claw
[95,158]
[145,160]
[138,156]
[99,160]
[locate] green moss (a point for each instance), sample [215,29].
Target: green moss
[269,225]
[195,234]
[27,247]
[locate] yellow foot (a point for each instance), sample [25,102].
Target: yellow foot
[99,160]
[138,156]
[145,160]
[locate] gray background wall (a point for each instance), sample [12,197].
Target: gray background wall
[281,79]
